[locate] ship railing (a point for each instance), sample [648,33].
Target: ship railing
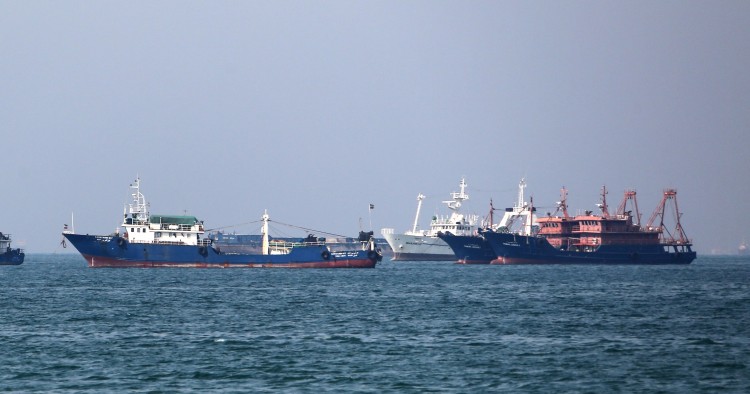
[292,244]
[163,242]
[386,231]
[173,227]
[160,241]
[676,242]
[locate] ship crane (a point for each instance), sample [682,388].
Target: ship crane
[621,209]
[677,236]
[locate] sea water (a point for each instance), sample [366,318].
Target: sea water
[401,327]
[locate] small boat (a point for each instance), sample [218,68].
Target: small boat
[597,239]
[178,241]
[424,245]
[8,255]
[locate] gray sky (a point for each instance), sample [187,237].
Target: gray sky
[314,109]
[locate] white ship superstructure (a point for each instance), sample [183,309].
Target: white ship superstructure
[142,227]
[424,245]
[521,218]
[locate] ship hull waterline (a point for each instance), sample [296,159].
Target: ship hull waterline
[519,249]
[12,258]
[116,252]
[469,249]
[418,248]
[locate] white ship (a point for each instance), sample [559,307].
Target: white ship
[424,245]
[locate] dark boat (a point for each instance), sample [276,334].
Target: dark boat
[177,241]
[474,248]
[9,256]
[597,239]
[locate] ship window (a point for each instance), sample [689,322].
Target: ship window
[131,229]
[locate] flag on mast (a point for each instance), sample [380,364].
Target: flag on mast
[369,212]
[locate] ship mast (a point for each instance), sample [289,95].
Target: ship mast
[520,208]
[521,185]
[563,203]
[529,215]
[420,197]
[492,213]
[264,233]
[458,198]
[138,209]
[603,204]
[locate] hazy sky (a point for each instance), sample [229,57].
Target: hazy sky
[315,109]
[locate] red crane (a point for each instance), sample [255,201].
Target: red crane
[630,196]
[676,236]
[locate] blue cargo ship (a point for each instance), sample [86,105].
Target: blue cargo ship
[178,241]
[597,239]
[8,255]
